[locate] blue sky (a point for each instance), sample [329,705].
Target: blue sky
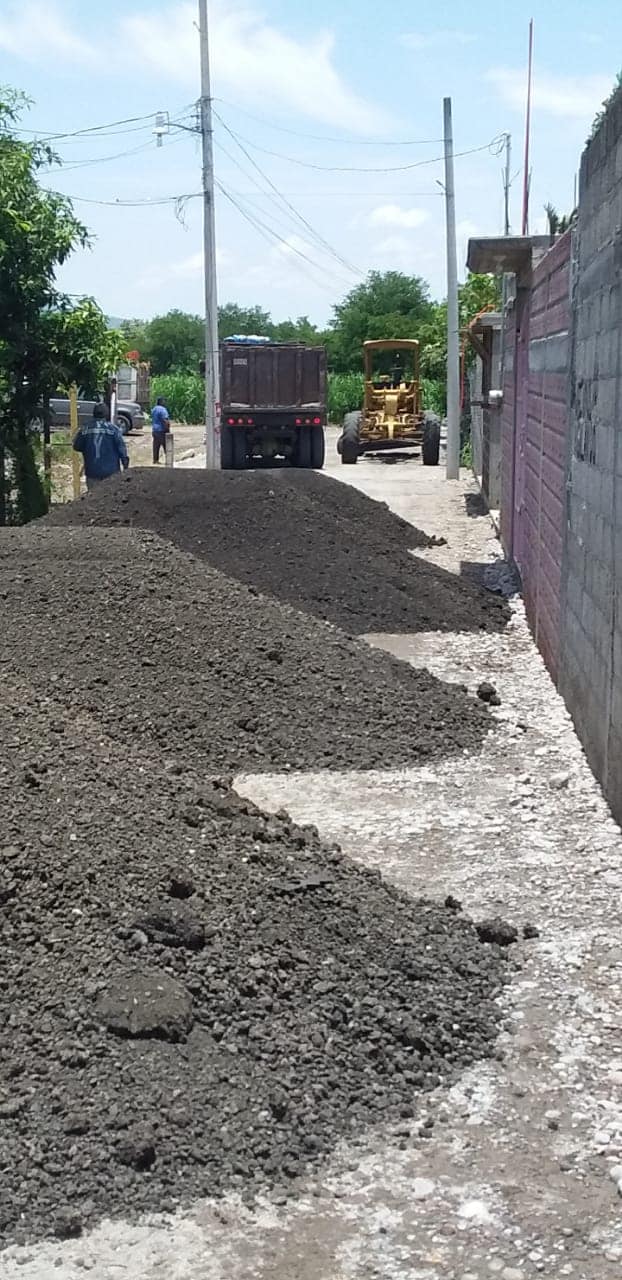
[324,85]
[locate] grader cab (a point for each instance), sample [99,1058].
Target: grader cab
[392,416]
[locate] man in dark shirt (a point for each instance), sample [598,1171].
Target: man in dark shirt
[102,446]
[160,425]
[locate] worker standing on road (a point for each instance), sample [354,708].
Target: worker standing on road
[102,446]
[160,426]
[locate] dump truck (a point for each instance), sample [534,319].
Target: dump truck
[273,403]
[392,416]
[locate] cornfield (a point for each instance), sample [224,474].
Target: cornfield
[345,393]
[183,395]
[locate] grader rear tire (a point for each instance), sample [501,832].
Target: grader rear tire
[431,447]
[351,438]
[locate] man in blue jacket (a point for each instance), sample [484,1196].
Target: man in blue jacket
[102,446]
[160,427]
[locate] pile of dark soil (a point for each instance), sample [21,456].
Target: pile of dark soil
[314,543]
[372,516]
[195,997]
[122,624]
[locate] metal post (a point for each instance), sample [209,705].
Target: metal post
[526,175]
[169,449]
[453,321]
[47,450]
[212,408]
[507,182]
[73,423]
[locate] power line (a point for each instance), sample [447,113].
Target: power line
[119,155]
[271,235]
[328,248]
[146,201]
[279,218]
[143,202]
[349,142]
[400,168]
[110,125]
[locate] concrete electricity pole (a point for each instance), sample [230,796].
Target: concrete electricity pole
[212,394]
[453,321]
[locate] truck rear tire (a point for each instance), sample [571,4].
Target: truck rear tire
[318,448]
[239,449]
[226,448]
[431,447]
[304,448]
[350,438]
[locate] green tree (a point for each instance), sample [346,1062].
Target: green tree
[558,223]
[134,334]
[300,330]
[175,342]
[234,319]
[386,305]
[38,231]
[79,347]
[478,293]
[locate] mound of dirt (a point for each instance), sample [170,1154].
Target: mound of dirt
[311,542]
[220,676]
[196,997]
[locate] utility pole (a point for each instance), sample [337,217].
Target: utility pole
[212,394]
[507,182]
[453,321]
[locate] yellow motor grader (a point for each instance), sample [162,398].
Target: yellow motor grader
[392,416]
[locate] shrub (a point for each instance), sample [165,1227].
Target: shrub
[433,396]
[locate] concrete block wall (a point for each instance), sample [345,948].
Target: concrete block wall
[590,660]
[486,419]
[508,427]
[540,519]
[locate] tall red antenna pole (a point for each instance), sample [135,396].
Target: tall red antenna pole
[525,223]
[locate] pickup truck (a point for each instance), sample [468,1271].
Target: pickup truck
[273,403]
[129,415]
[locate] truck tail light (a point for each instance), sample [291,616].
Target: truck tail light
[250,421]
[240,422]
[307,422]
[230,422]
[317,422]
[298,422]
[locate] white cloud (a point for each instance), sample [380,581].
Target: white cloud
[394,245]
[254,60]
[392,215]
[443,36]
[567,97]
[37,32]
[291,246]
[465,231]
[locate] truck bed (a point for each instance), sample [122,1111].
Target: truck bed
[278,377]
